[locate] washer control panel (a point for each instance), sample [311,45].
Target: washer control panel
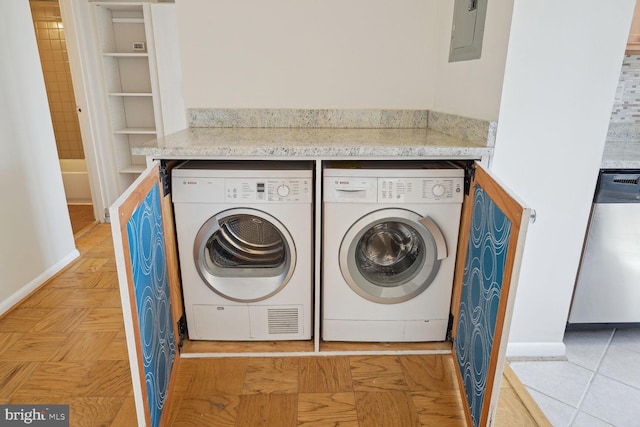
[420,190]
[393,190]
[267,190]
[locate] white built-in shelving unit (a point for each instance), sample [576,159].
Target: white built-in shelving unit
[140,78]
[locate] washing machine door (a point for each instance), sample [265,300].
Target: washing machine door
[244,255]
[391,255]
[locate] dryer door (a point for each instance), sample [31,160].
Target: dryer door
[244,255]
[391,255]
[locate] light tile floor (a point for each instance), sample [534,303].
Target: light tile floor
[599,384]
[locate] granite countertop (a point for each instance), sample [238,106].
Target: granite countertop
[621,155]
[317,133]
[622,148]
[311,142]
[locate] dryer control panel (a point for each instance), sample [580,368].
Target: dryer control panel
[267,190]
[420,190]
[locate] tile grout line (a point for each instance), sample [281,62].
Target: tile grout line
[593,376]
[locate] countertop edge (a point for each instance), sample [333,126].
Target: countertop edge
[318,142]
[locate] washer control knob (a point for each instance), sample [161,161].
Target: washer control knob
[438,190]
[283,191]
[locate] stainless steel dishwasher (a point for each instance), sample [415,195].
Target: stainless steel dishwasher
[608,284]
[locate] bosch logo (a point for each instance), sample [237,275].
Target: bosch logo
[189,182]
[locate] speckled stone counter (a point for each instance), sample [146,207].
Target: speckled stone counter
[215,133]
[622,149]
[621,155]
[320,142]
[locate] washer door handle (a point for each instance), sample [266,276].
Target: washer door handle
[438,237]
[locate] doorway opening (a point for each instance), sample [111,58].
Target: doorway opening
[54,58]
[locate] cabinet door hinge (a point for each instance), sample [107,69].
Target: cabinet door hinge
[182,330]
[164,178]
[469,176]
[450,328]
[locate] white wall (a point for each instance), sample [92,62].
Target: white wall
[336,54]
[472,88]
[561,74]
[553,103]
[307,54]
[36,237]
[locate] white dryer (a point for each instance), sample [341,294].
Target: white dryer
[390,233]
[245,242]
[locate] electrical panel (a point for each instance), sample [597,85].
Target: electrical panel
[467,30]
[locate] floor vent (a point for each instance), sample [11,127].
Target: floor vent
[283,320]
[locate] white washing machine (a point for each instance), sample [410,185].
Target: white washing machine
[390,234]
[245,242]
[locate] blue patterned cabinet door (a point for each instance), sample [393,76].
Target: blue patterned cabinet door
[149,271]
[141,249]
[492,237]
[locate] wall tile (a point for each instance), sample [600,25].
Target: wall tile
[626,108]
[57,77]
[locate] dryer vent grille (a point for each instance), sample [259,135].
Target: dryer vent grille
[283,320]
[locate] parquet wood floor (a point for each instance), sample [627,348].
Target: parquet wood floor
[81,217]
[65,344]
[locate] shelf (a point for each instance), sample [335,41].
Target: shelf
[126,54]
[120,6]
[127,20]
[130,75]
[133,169]
[130,94]
[136,131]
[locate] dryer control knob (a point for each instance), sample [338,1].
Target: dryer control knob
[283,191]
[438,190]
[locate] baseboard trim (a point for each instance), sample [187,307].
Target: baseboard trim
[536,350]
[26,290]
